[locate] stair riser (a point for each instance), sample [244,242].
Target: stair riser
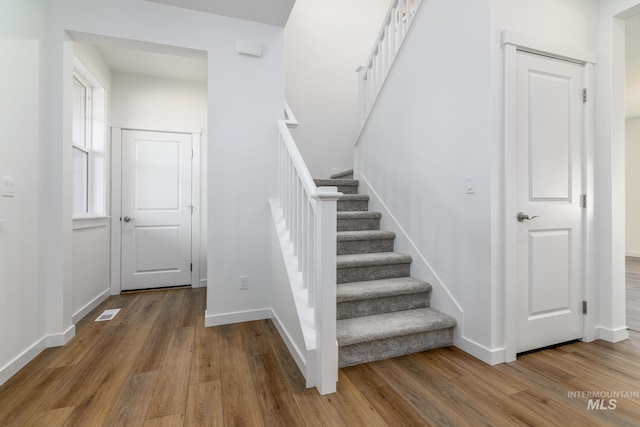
[365,246]
[352,205]
[375,272]
[348,189]
[369,307]
[359,224]
[394,347]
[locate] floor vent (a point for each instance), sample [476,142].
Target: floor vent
[108,315]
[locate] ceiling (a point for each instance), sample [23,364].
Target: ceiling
[272,12]
[122,60]
[149,59]
[633,67]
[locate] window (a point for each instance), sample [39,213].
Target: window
[81,145]
[88,137]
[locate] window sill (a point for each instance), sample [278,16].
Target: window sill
[90,221]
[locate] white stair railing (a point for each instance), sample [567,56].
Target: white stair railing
[373,74]
[310,215]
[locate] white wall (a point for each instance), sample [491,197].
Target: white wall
[91,245]
[610,166]
[21,326]
[245,97]
[632,168]
[430,129]
[145,102]
[439,119]
[326,40]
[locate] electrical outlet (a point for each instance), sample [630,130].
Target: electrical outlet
[244,283]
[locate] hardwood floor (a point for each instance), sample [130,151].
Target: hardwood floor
[156,365]
[633,293]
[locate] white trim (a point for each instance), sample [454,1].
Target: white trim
[78,315]
[510,40]
[58,340]
[632,254]
[489,356]
[547,47]
[449,304]
[116,204]
[195,217]
[143,127]
[399,230]
[81,222]
[116,208]
[612,335]
[298,356]
[12,368]
[235,317]
[203,283]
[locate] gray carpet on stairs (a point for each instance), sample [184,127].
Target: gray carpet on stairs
[382,312]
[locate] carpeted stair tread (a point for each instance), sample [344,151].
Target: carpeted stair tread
[342,174]
[348,236]
[373,259]
[336,182]
[390,325]
[359,215]
[357,291]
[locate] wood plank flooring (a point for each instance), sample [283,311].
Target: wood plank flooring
[156,365]
[633,293]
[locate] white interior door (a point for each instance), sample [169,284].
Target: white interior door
[549,187]
[156,209]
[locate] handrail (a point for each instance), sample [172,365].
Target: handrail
[310,218]
[289,119]
[390,39]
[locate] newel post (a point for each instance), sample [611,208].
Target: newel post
[325,290]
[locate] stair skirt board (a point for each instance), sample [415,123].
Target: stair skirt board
[393,347]
[381,311]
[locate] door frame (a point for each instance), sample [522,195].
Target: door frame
[116,205]
[512,42]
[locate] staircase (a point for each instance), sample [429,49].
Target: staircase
[382,312]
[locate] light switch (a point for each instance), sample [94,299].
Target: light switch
[471,184]
[8,186]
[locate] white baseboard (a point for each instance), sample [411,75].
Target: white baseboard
[55,340]
[58,340]
[236,317]
[300,359]
[79,315]
[11,368]
[632,254]
[613,335]
[487,355]
[203,283]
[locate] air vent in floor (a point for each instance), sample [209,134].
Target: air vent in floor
[108,315]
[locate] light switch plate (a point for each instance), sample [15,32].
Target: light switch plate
[471,184]
[8,186]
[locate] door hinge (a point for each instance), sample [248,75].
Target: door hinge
[584,307]
[583,200]
[191,267]
[584,95]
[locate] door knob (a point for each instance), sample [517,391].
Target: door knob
[128,219]
[522,216]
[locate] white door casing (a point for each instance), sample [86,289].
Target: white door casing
[550,182]
[156,209]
